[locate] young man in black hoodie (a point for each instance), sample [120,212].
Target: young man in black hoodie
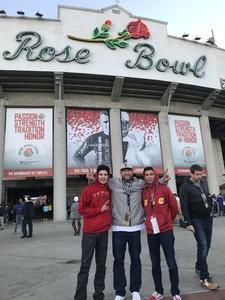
[196,209]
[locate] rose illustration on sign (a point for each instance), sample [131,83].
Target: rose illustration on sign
[138,29]
[189,155]
[135,29]
[28,152]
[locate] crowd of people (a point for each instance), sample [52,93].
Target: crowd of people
[129,205]
[218,204]
[22,213]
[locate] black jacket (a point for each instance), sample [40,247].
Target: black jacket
[192,204]
[1,211]
[28,210]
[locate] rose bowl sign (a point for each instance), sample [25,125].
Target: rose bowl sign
[30,44]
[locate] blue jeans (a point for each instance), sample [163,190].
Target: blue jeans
[120,239]
[19,221]
[203,236]
[166,240]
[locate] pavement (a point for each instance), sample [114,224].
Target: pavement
[45,267]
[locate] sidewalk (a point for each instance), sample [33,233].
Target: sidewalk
[45,267]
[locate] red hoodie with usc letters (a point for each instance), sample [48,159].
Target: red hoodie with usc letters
[91,201]
[158,201]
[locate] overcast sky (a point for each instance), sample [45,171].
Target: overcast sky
[196,17]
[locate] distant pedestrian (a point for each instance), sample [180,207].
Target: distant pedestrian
[45,212]
[214,204]
[6,214]
[1,216]
[75,216]
[50,213]
[19,215]
[28,218]
[220,201]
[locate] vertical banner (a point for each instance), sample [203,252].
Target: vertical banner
[28,143]
[140,140]
[186,143]
[88,140]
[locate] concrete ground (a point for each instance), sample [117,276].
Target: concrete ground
[45,267]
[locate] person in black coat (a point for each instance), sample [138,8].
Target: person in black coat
[28,215]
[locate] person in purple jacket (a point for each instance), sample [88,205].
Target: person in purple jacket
[220,201]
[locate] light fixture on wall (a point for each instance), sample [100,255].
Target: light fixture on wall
[185,35]
[2,12]
[210,41]
[197,38]
[20,13]
[38,14]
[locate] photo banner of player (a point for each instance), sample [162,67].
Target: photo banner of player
[88,140]
[140,140]
[28,143]
[186,141]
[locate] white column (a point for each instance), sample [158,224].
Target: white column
[209,155]
[116,141]
[2,127]
[167,155]
[59,188]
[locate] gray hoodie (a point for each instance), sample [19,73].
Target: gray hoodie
[120,201]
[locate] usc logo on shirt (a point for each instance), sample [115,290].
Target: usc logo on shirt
[145,202]
[161,200]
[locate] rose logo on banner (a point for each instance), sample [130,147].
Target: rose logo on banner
[189,154]
[136,29]
[28,154]
[28,151]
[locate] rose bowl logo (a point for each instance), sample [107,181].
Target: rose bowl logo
[135,30]
[41,116]
[189,155]
[27,153]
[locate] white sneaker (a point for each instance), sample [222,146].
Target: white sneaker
[136,296]
[119,298]
[156,296]
[177,297]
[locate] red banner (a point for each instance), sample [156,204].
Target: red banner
[12,174]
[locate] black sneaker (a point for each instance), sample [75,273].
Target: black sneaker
[23,236]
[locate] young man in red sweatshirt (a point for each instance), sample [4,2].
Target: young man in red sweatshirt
[160,209]
[95,207]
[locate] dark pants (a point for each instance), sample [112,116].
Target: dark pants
[27,221]
[120,239]
[91,242]
[166,240]
[76,224]
[203,236]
